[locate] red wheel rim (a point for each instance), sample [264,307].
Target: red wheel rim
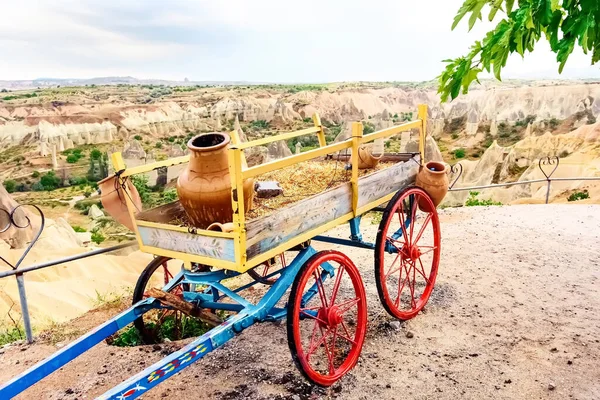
[406,278]
[329,330]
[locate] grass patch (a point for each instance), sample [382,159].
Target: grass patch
[189,327]
[474,201]
[10,335]
[578,196]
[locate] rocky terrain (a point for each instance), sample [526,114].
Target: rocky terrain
[498,131]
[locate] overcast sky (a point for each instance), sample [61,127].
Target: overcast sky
[258,40]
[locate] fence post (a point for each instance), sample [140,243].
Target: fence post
[24,308]
[548,191]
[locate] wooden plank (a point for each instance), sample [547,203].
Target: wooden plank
[268,232]
[386,181]
[183,242]
[171,300]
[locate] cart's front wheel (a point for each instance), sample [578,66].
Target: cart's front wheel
[327,317]
[407,253]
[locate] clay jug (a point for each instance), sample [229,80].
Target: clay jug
[366,159]
[204,187]
[434,180]
[112,197]
[218,227]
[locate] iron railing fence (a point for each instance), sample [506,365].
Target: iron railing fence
[456,171]
[17,220]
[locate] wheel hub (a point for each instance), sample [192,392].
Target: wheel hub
[411,252]
[329,317]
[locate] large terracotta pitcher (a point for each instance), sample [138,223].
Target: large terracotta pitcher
[204,187]
[434,180]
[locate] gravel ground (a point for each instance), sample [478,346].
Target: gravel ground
[514,315]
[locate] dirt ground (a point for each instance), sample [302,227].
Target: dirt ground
[514,315]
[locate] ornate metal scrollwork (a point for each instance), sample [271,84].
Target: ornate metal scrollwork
[456,169]
[554,160]
[20,220]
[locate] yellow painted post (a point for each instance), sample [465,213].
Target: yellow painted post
[423,131]
[235,140]
[119,166]
[357,133]
[237,203]
[321,133]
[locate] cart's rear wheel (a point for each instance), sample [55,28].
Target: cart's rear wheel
[407,253]
[157,274]
[327,317]
[261,272]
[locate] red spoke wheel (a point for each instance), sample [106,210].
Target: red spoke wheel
[157,274]
[261,272]
[327,317]
[407,253]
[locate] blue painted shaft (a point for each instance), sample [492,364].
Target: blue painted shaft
[70,352]
[215,338]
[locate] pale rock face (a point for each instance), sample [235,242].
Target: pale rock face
[279,150]
[133,150]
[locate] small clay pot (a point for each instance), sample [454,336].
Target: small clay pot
[433,178]
[366,159]
[113,199]
[218,227]
[204,187]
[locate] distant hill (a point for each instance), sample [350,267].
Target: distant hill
[110,80]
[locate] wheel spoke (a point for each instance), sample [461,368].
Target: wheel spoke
[320,288]
[391,272]
[425,223]
[336,285]
[413,304]
[329,354]
[431,248]
[313,345]
[401,287]
[403,224]
[422,271]
[412,220]
[347,305]
[347,337]
[303,311]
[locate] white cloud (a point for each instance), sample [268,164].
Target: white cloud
[262,40]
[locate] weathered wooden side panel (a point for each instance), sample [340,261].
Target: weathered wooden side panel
[213,247]
[268,232]
[386,181]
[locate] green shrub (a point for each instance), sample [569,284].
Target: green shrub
[35,174]
[50,181]
[38,187]
[474,201]
[78,228]
[579,196]
[459,153]
[454,135]
[141,184]
[10,185]
[95,154]
[158,145]
[72,159]
[97,237]
[137,137]
[259,125]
